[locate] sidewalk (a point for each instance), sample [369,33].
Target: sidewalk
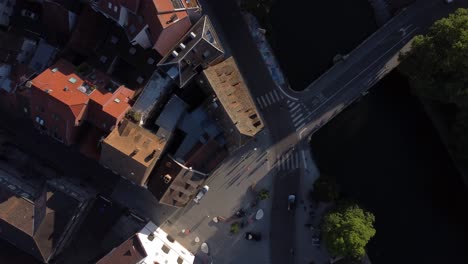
[308,216]
[230,190]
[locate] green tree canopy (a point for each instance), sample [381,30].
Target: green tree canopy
[437,67]
[348,230]
[437,63]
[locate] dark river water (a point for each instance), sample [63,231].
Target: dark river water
[385,154]
[308,34]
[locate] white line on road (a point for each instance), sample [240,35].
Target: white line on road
[285,94]
[297,159]
[298,123]
[297,117]
[365,69]
[304,159]
[267,99]
[276,94]
[290,104]
[263,100]
[295,107]
[259,102]
[294,113]
[272,97]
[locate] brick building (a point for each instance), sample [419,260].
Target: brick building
[62,99]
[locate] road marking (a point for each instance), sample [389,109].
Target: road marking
[295,112]
[287,95]
[304,159]
[299,122]
[297,160]
[267,99]
[263,100]
[272,97]
[302,132]
[365,69]
[276,94]
[295,107]
[297,117]
[259,102]
[290,104]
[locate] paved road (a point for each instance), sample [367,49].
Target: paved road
[302,113]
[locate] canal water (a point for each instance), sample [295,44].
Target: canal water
[386,155]
[308,34]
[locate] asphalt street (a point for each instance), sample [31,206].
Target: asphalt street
[291,116]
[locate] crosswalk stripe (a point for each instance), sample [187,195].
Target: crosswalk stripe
[297,160]
[297,117]
[272,98]
[298,122]
[295,107]
[295,113]
[301,126]
[267,99]
[290,104]
[276,94]
[263,100]
[259,102]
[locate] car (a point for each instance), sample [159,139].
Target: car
[254,236]
[30,14]
[201,193]
[291,202]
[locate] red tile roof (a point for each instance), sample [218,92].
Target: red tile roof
[108,106]
[58,85]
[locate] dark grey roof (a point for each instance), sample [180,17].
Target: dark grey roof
[156,87]
[198,48]
[171,114]
[42,57]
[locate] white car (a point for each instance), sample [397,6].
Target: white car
[201,193]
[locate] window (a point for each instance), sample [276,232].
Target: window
[72,80]
[165,249]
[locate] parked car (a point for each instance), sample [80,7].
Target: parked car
[28,13]
[291,202]
[255,236]
[201,193]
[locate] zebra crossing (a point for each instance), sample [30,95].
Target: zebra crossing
[299,113]
[288,161]
[269,98]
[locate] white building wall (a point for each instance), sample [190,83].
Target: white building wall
[154,248]
[123,16]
